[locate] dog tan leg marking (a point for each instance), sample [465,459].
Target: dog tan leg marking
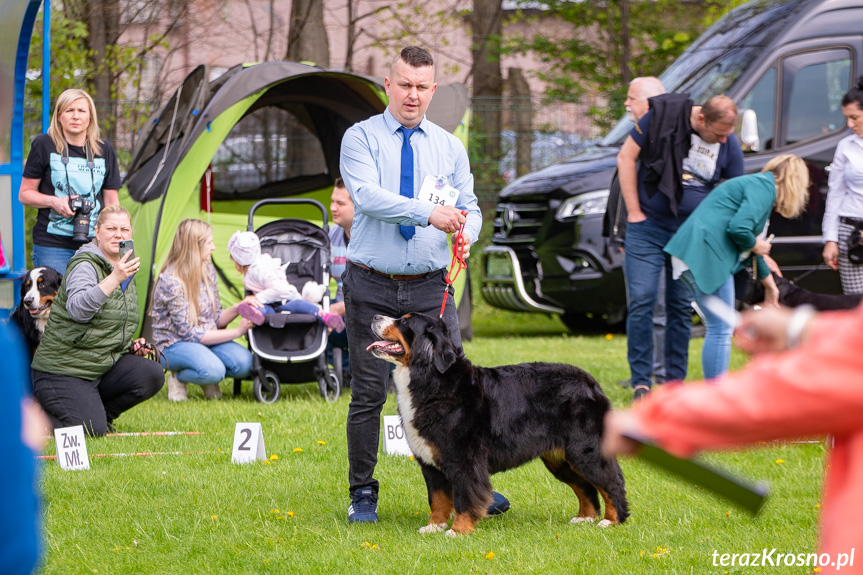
[586,511]
[610,510]
[462,525]
[441,509]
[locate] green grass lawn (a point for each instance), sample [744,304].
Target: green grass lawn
[198,513]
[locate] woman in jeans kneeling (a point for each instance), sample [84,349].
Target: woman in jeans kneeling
[189,324]
[83,371]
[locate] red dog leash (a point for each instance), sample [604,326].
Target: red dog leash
[456,264]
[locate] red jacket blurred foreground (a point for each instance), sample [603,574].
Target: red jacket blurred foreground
[814,389]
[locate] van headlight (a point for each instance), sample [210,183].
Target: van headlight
[590,203]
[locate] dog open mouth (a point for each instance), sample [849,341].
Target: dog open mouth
[386,349]
[39,310]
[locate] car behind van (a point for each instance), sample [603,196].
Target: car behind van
[786,64]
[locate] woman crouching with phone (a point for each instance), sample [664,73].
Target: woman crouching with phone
[88,370]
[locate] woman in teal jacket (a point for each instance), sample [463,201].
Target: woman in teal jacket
[725,233]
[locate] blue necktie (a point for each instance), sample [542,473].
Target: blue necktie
[406,182]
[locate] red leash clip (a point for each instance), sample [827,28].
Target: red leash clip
[456,264]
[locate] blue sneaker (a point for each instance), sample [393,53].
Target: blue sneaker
[499,504]
[364,506]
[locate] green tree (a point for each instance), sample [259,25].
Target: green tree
[612,41]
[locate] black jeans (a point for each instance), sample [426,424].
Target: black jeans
[368,294]
[95,404]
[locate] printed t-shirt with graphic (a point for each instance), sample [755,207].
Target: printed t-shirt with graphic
[45,163]
[704,167]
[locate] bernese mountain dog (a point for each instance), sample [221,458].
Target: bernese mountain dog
[465,423]
[38,290]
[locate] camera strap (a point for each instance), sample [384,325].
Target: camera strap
[91,164]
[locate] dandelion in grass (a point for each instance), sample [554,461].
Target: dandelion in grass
[780,461]
[660,551]
[817,506]
[214,517]
[298,450]
[489,555]
[321,442]
[276,511]
[609,336]
[291,513]
[274,457]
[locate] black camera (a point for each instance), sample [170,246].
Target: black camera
[81,218]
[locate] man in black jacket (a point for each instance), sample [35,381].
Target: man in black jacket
[670,161]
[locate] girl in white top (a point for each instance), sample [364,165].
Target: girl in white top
[843,214]
[264,276]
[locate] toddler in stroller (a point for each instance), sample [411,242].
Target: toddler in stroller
[264,276]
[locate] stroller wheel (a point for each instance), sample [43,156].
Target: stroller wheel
[266,387]
[329,386]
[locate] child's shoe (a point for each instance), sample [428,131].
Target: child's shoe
[334,321]
[251,313]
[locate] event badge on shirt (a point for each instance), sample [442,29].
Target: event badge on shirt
[436,191]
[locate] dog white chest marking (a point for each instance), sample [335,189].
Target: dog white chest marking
[419,447]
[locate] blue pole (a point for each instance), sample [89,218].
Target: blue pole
[46,66]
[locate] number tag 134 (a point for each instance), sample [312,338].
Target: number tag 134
[436,191]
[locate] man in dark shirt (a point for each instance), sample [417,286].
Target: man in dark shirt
[684,151]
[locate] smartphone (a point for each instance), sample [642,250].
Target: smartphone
[127,246]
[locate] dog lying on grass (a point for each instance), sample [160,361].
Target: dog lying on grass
[464,423]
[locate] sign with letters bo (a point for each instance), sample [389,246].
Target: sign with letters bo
[395,442]
[71,448]
[248,443]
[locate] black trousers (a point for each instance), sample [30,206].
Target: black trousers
[368,294]
[70,401]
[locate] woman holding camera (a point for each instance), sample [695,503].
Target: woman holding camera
[843,214]
[70,175]
[88,370]
[189,325]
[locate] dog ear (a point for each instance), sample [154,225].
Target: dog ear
[444,358]
[443,354]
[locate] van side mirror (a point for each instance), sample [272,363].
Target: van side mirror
[749,140]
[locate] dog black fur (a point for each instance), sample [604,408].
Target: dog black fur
[38,290]
[464,423]
[791,295]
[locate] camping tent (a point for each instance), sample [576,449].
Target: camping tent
[257,131]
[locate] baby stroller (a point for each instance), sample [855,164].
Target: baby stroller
[292,347]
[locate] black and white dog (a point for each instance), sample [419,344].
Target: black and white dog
[38,290]
[792,295]
[464,422]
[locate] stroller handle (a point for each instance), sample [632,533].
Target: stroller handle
[315,203]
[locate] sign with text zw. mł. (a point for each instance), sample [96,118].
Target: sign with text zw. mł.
[71,448]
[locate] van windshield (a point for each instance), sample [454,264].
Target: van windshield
[719,57]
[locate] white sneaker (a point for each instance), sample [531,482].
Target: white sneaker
[212,391]
[176,389]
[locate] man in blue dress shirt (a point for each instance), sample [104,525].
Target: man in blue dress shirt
[410,182]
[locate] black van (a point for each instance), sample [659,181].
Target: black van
[786,64]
